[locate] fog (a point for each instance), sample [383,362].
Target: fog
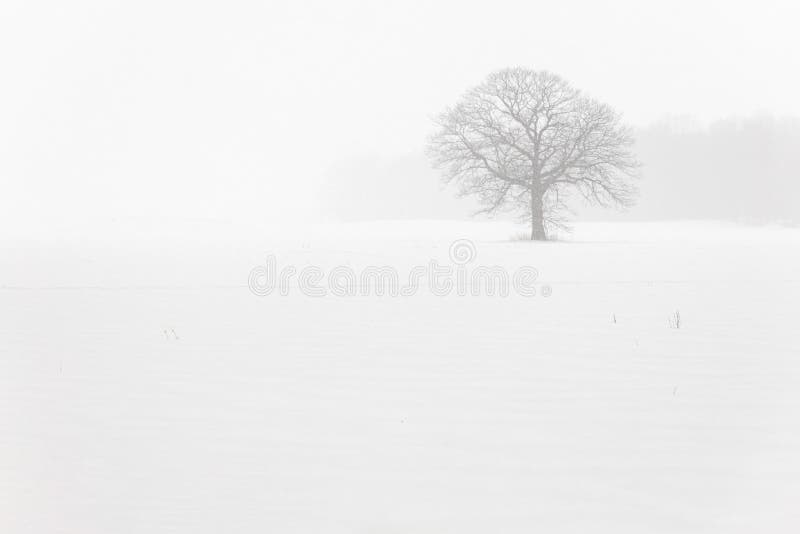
[235,295]
[266,110]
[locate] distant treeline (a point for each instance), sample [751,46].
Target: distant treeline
[736,169]
[741,169]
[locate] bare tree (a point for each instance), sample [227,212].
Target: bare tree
[524,140]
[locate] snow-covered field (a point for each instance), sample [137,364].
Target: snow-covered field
[144,388]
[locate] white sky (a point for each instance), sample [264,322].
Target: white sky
[230,109]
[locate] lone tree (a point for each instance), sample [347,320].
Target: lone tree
[524,140]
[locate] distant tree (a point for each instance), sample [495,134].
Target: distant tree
[523,140]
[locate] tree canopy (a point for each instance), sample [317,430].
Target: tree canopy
[524,140]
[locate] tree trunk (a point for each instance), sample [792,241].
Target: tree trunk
[537,217]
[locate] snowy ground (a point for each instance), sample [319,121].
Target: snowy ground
[144,388]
